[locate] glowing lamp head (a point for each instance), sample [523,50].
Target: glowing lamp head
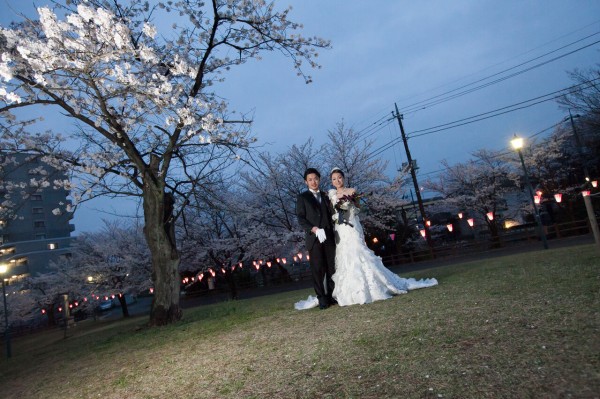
[471,222]
[460,215]
[585,193]
[490,215]
[423,233]
[558,197]
[517,142]
[450,227]
[300,255]
[536,199]
[594,183]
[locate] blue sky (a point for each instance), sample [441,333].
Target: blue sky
[406,51]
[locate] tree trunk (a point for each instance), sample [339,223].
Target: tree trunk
[123,303]
[165,258]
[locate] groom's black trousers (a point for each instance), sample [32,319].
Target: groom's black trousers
[322,266]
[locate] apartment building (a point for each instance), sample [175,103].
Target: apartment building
[32,231]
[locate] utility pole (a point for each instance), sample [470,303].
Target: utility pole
[414,179]
[579,148]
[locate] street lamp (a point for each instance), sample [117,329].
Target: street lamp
[517,144]
[3,270]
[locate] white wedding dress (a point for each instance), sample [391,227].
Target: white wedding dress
[360,276]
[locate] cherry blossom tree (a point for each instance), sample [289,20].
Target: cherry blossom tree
[114,261]
[479,186]
[144,118]
[585,99]
[44,292]
[268,202]
[348,151]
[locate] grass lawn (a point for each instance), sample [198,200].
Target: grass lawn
[521,326]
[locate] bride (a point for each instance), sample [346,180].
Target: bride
[360,276]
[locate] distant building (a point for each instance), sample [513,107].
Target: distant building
[33,231]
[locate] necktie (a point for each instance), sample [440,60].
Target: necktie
[317,196]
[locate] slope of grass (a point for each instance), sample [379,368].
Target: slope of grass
[519,326]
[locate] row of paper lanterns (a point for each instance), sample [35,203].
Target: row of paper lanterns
[490,215]
[255,263]
[85,299]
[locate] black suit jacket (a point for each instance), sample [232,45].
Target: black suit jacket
[310,213]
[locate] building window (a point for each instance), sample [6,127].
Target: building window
[40,236]
[52,245]
[36,197]
[39,223]
[38,211]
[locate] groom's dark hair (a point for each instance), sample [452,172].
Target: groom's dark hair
[311,170]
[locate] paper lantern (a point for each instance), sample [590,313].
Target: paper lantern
[585,193]
[558,197]
[460,215]
[536,199]
[490,215]
[423,232]
[450,227]
[471,222]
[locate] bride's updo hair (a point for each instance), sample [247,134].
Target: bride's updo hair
[336,170]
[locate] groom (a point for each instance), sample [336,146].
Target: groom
[314,215]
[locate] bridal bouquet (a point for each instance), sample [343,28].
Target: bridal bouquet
[342,207]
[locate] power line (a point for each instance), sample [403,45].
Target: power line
[429,103]
[380,123]
[503,152]
[483,116]
[518,55]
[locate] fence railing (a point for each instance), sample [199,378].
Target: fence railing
[522,235]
